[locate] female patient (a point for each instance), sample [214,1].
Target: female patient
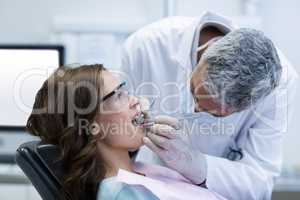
[88,114]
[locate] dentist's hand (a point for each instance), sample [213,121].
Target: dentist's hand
[164,140]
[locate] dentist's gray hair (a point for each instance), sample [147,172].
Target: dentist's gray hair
[243,67]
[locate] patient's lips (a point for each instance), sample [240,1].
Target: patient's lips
[142,118]
[139,119]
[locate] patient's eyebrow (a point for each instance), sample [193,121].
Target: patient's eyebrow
[114,91]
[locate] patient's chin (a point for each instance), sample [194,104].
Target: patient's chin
[136,138]
[138,145]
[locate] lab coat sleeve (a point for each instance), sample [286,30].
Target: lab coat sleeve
[253,176]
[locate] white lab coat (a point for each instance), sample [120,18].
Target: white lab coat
[159,59]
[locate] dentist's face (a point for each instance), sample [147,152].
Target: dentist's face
[203,101]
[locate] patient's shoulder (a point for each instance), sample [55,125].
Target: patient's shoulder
[111,189]
[135,192]
[108,188]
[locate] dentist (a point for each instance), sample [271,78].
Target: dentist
[237,84]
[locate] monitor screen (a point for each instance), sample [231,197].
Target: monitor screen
[23,70]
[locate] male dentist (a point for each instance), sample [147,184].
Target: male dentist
[237,84]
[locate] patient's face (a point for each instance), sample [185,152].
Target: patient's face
[117,113]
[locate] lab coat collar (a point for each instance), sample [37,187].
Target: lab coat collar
[184,54]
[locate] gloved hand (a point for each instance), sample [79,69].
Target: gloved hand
[164,139]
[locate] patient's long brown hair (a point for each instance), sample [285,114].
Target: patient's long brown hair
[58,124]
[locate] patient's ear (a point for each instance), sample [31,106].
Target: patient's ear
[95,130]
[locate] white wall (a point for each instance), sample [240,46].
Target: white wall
[31,20]
[195,7]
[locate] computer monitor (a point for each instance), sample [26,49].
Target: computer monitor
[23,69]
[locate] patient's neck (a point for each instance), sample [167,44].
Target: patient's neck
[116,159]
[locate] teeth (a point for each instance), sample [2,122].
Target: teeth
[139,119]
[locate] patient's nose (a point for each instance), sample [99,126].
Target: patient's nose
[133,102]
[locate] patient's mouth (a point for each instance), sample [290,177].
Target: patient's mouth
[143,120]
[139,119]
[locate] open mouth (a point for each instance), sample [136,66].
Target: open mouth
[138,119]
[142,118]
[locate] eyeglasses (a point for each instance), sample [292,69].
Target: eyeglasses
[117,91]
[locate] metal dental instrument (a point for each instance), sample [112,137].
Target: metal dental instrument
[145,118]
[141,119]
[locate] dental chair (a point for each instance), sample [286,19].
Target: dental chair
[39,163]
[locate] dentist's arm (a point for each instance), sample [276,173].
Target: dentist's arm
[250,178]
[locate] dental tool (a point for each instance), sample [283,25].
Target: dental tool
[146,119]
[142,118]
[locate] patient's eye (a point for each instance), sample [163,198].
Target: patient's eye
[122,96]
[119,95]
